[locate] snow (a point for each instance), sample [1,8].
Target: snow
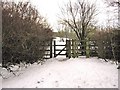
[66,73]
[0,82]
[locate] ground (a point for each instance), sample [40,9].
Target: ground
[73,73]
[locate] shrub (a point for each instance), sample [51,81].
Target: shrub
[25,33]
[116,44]
[108,43]
[104,45]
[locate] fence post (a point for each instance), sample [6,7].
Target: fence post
[68,48]
[54,49]
[73,49]
[83,47]
[76,48]
[51,49]
[87,48]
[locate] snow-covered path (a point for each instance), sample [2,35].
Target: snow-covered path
[73,73]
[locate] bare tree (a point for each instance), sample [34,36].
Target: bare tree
[116,5]
[79,16]
[113,2]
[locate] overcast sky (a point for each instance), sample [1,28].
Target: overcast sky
[50,9]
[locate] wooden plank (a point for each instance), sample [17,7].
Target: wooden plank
[46,58]
[46,50]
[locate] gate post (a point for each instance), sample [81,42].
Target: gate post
[74,48]
[68,48]
[51,49]
[54,49]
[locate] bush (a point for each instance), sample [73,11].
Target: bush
[104,45]
[25,34]
[108,42]
[116,44]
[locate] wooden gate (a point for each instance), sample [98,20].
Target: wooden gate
[66,48]
[72,48]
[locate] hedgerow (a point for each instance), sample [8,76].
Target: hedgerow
[25,34]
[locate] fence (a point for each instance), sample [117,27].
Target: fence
[71,48]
